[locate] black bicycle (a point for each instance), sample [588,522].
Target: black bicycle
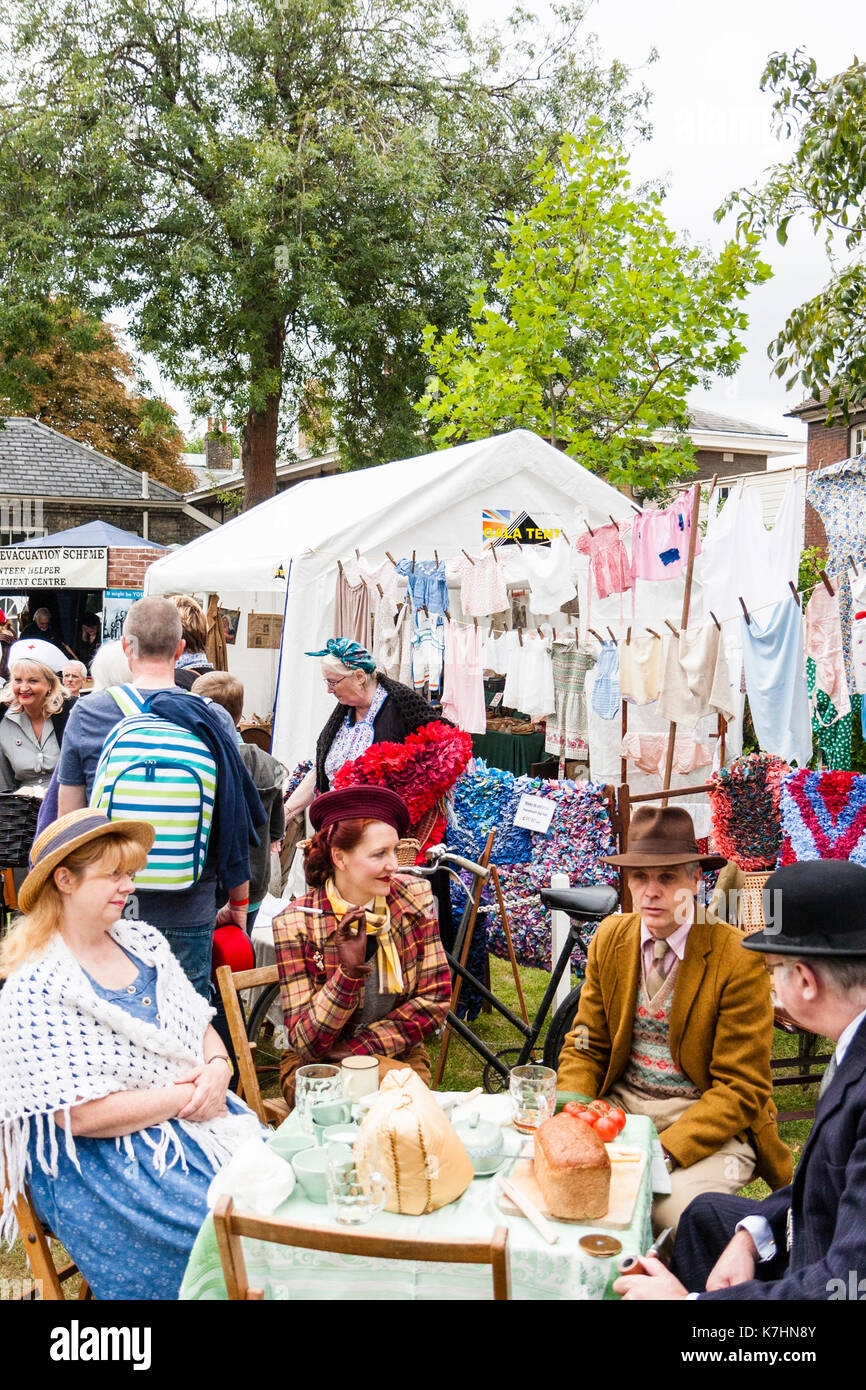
[585,907]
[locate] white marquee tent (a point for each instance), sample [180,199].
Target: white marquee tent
[289,546]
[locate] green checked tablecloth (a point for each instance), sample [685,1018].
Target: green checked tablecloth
[538,1270]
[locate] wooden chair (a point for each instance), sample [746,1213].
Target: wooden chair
[230,1226]
[273,1110]
[750,918]
[35,1239]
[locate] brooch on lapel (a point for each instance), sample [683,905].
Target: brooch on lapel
[319,962]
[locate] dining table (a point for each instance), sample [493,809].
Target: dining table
[538,1269]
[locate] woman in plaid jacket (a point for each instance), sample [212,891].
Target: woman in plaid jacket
[362,969]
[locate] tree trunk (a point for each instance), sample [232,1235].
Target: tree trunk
[259,440]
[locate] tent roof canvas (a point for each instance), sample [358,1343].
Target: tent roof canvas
[432,500]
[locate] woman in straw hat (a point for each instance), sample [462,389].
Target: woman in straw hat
[113,1085]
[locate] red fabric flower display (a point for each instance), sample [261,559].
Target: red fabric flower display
[421,769]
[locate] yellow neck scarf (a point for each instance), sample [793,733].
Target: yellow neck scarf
[378,917]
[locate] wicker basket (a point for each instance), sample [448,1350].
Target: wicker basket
[18,817]
[750,909]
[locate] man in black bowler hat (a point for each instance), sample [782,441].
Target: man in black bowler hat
[808,1240]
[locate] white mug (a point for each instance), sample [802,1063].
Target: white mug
[360,1076]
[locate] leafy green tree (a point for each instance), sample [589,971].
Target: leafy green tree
[279,190]
[599,323]
[822,345]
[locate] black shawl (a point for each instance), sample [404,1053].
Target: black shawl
[402,713]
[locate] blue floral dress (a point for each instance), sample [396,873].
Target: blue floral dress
[128,1228]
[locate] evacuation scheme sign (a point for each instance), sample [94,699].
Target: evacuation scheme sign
[54,567]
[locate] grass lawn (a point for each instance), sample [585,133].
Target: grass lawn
[464,1071]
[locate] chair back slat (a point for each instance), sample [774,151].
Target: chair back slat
[230,1226]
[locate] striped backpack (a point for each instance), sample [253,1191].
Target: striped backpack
[151,769]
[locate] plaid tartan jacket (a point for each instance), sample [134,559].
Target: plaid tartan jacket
[318,999]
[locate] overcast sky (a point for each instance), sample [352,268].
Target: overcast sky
[713,134]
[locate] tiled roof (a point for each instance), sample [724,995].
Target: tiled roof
[722,424]
[37,461]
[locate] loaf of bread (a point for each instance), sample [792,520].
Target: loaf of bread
[572,1169]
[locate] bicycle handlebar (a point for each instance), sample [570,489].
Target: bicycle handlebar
[442,858]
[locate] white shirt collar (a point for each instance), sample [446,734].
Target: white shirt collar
[844,1040]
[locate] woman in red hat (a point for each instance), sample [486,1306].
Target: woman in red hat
[362,969]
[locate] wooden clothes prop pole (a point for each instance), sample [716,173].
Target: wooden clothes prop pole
[684,622]
[509,941]
[464,956]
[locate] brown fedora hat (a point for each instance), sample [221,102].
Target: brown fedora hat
[663,835]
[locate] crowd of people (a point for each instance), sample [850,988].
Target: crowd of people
[157,827]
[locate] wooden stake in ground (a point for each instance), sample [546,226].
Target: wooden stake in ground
[509,941]
[458,983]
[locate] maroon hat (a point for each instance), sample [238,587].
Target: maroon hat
[361,803]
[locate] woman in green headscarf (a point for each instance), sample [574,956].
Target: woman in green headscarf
[371,708]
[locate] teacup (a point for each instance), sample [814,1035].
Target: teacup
[329,1112]
[342,1134]
[310,1167]
[287,1145]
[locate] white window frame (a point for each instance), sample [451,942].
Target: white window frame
[858,440]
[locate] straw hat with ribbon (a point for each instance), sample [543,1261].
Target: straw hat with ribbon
[69,833]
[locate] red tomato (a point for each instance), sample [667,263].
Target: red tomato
[618,1116]
[606,1128]
[575,1108]
[601,1107]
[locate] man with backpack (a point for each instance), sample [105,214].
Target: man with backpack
[152,751]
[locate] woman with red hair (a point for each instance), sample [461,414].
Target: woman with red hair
[362,969]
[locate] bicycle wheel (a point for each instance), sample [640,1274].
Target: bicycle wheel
[560,1027]
[266,1040]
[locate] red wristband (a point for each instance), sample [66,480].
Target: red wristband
[239,902]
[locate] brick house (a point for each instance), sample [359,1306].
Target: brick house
[827,443]
[49,483]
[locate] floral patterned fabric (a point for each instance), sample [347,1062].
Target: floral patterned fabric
[838,494]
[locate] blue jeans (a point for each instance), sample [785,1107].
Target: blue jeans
[192,943]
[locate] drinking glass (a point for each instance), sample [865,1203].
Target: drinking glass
[360,1076]
[533,1096]
[356,1192]
[318,1081]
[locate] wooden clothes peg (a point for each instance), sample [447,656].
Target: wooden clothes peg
[413,561]
[715,620]
[589,528]
[653,633]
[520,635]
[612,637]
[357,553]
[596,635]
[475,623]
[469,557]
[825,581]
[540,633]
[742,602]
[391,558]
[615,522]
[853,563]
[436,558]
[381,590]
[793,588]
[669,624]
[340,566]
[628,637]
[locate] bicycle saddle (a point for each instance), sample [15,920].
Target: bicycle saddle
[589,904]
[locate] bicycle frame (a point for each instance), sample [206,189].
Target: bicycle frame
[529,1031]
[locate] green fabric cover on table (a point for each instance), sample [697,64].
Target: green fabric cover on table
[512,752]
[538,1270]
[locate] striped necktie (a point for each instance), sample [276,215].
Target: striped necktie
[657,974]
[829,1073]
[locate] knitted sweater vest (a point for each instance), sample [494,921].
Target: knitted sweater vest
[651,1068]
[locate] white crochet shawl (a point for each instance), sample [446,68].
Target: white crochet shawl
[61,1044]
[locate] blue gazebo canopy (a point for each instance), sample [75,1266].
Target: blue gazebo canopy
[91,533]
